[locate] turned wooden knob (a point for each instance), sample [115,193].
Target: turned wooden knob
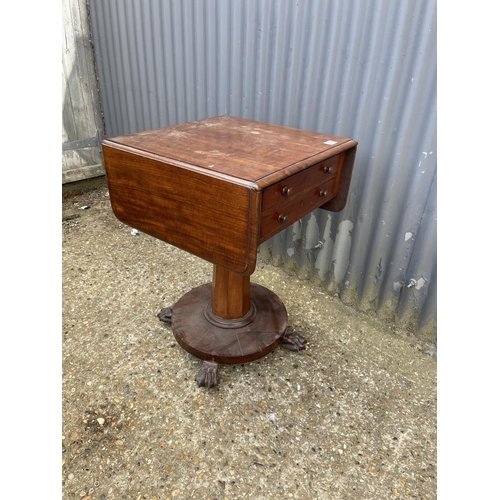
[327,169]
[286,191]
[282,218]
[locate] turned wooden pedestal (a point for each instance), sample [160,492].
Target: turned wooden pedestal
[218,188]
[230,320]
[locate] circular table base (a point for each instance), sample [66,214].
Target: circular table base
[207,341]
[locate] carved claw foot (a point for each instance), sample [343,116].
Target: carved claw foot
[292,340]
[165,314]
[207,376]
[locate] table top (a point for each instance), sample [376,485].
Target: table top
[260,153]
[214,187]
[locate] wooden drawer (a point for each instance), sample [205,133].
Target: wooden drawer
[288,189]
[288,212]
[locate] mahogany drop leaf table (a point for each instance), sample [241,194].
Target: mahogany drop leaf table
[218,188]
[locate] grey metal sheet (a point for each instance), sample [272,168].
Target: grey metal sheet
[365,70]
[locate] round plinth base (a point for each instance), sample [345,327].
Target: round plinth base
[205,340]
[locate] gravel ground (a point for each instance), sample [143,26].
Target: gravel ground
[351,417]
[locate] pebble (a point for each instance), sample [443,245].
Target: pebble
[168,439]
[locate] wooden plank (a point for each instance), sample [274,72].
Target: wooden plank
[80,102]
[201,214]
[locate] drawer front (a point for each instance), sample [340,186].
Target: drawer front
[285,192]
[285,214]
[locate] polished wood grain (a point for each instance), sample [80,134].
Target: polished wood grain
[204,215]
[218,188]
[282,216]
[240,148]
[230,294]
[338,202]
[199,185]
[205,340]
[288,189]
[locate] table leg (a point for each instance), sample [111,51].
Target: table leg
[230,320]
[230,294]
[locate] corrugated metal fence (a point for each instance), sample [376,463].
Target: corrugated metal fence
[365,70]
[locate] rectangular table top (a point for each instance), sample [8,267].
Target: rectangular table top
[219,187]
[247,150]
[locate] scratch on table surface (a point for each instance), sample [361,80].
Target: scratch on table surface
[214,152]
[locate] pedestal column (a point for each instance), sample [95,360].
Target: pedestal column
[230,294]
